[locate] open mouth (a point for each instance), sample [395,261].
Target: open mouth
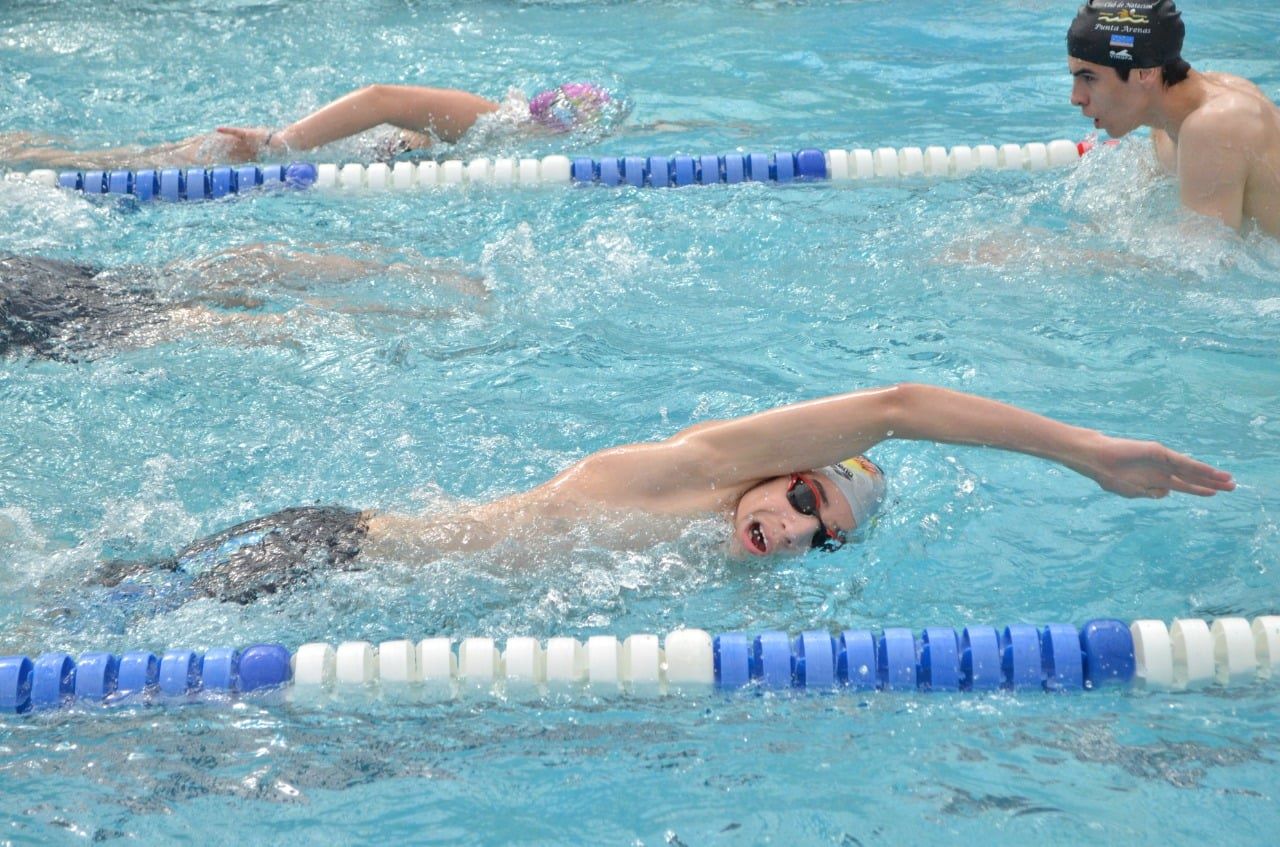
[756,542]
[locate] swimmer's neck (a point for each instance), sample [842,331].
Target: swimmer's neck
[1172,106]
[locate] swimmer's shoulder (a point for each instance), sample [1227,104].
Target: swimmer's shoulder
[1237,103]
[1234,84]
[1236,121]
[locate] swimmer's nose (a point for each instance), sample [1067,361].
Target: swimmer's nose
[796,535]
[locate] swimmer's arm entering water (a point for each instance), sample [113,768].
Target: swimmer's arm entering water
[444,113]
[729,456]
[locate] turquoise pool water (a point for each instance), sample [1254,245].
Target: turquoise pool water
[621,315]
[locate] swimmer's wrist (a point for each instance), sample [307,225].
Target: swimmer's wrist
[1082,450]
[275,143]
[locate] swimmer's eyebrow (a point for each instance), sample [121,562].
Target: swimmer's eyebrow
[821,490]
[1082,72]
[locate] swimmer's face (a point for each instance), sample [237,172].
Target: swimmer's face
[1116,106]
[765,523]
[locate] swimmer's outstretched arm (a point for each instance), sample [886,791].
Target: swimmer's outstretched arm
[803,436]
[445,113]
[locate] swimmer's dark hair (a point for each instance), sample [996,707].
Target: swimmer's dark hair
[1171,72]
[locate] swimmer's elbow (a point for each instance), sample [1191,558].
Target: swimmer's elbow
[904,405]
[377,96]
[900,391]
[898,399]
[697,452]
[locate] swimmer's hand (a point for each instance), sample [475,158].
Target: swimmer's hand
[246,144]
[1148,469]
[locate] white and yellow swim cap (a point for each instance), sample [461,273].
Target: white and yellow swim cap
[861,482]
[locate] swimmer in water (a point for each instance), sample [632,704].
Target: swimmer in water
[780,477]
[422,117]
[1218,133]
[59,309]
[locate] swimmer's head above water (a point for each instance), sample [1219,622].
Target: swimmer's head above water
[1121,54]
[819,510]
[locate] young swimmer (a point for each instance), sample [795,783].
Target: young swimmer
[423,116]
[58,309]
[1218,133]
[778,476]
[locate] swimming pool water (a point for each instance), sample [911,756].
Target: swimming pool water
[622,315]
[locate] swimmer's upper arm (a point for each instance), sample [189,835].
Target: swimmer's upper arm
[446,112]
[789,438]
[1213,167]
[725,453]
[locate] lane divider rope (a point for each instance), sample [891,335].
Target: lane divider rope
[1057,657]
[197,183]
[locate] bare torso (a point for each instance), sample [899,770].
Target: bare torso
[531,530]
[1249,125]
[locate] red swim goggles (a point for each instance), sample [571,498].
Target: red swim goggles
[805,498]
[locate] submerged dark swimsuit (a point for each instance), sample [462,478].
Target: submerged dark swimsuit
[54,309]
[261,556]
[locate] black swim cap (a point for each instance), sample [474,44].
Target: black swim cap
[1127,33]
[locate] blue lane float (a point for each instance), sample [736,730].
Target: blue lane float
[264,666]
[1060,653]
[1107,647]
[856,659]
[1019,658]
[97,676]
[732,659]
[939,659]
[15,683]
[220,670]
[771,660]
[139,674]
[980,665]
[180,673]
[815,660]
[896,660]
[1020,664]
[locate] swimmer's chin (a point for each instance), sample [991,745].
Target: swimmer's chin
[735,549]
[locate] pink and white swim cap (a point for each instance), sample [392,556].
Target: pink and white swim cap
[569,106]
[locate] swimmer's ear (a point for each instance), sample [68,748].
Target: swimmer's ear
[1150,76]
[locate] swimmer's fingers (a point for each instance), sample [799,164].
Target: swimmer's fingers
[1147,469]
[1199,489]
[1194,477]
